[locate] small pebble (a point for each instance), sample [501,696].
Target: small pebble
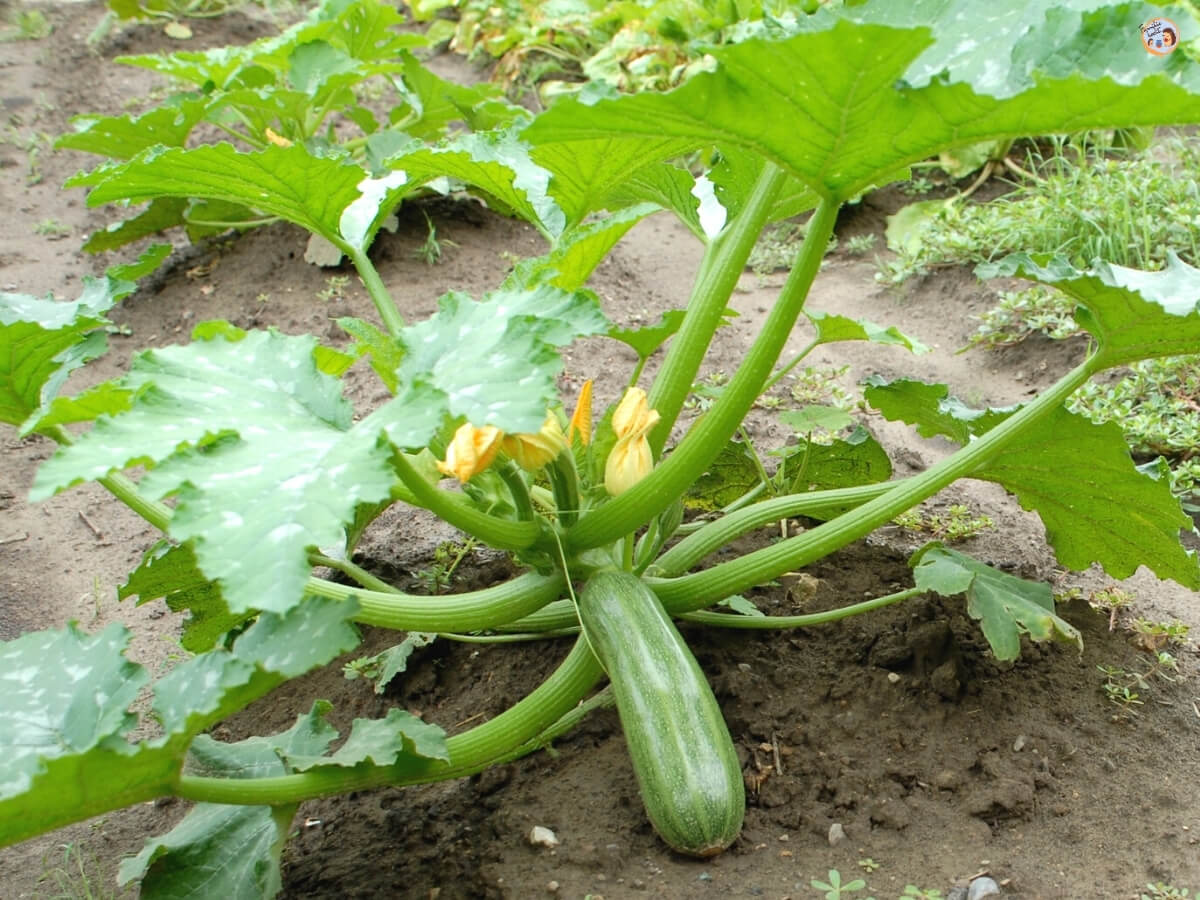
[983,887]
[704,876]
[552,886]
[543,837]
[894,677]
[1019,743]
[837,834]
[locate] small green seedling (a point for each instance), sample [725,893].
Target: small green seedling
[335,288]
[835,890]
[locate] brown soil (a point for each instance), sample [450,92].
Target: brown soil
[937,761]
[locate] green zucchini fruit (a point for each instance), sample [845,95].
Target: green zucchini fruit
[685,762]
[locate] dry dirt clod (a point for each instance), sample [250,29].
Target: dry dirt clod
[837,834]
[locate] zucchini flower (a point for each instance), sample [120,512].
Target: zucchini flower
[533,451]
[630,459]
[471,451]
[581,419]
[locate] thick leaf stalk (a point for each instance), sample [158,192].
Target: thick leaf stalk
[704,441]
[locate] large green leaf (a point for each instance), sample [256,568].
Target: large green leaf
[1078,476]
[64,755]
[262,756]
[216,851]
[931,408]
[258,445]
[159,215]
[1054,37]
[42,340]
[123,137]
[65,709]
[494,361]
[213,685]
[834,109]
[498,164]
[1005,606]
[1133,314]
[1097,507]
[332,197]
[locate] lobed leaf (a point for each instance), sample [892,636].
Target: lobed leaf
[931,408]
[1096,506]
[1078,476]
[494,362]
[1005,606]
[314,192]
[1132,314]
[262,756]
[42,341]
[836,110]
[382,742]
[63,693]
[216,851]
[260,449]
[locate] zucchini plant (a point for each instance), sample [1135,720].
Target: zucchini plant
[274,478]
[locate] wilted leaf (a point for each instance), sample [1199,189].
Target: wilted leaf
[1005,606]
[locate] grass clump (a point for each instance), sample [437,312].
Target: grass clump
[1129,210]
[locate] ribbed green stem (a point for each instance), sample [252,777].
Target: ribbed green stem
[518,489]
[504,534]
[716,534]
[723,264]
[380,296]
[712,431]
[775,623]
[470,611]
[515,730]
[156,513]
[701,589]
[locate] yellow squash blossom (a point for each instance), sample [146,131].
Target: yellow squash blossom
[471,451]
[581,419]
[533,451]
[630,459]
[277,139]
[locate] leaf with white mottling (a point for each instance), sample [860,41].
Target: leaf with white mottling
[62,693]
[260,449]
[495,361]
[835,109]
[213,685]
